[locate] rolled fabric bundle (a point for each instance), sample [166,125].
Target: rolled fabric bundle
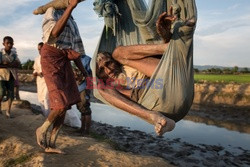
[57,4]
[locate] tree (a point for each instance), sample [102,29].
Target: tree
[227,71]
[28,65]
[218,71]
[196,70]
[245,70]
[235,69]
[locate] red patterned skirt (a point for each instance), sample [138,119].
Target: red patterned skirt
[59,77]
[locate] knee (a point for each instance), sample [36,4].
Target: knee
[119,53]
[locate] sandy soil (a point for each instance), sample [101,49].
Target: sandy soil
[212,94]
[18,145]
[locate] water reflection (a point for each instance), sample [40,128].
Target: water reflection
[239,127]
[188,131]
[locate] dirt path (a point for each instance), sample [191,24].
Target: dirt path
[18,146]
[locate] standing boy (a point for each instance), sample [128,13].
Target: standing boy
[8,62]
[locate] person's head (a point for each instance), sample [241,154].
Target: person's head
[39,47]
[8,43]
[107,67]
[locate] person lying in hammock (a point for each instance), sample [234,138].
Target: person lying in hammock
[144,58]
[121,78]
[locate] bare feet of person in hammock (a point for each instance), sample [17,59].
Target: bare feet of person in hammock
[163,124]
[54,150]
[40,138]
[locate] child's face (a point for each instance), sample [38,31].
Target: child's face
[8,44]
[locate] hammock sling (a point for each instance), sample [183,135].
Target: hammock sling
[129,22]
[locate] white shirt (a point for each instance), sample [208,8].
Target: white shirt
[42,90]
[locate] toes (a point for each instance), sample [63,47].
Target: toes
[164,125]
[158,128]
[54,150]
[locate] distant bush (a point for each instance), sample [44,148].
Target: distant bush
[245,70]
[28,65]
[196,70]
[227,70]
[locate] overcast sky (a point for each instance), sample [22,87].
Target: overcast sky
[222,35]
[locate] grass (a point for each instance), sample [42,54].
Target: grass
[222,78]
[18,161]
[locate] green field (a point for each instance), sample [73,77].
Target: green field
[222,78]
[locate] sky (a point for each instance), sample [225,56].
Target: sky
[221,38]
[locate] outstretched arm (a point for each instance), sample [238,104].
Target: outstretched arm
[61,23]
[57,4]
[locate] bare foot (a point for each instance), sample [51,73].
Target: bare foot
[41,138]
[8,114]
[162,123]
[54,150]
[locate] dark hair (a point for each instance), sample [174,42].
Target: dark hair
[99,72]
[8,38]
[106,54]
[40,43]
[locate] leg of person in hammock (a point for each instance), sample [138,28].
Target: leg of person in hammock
[162,124]
[135,52]
[140,56]
[146,66]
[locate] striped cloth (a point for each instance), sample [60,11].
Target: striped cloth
[70,37]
